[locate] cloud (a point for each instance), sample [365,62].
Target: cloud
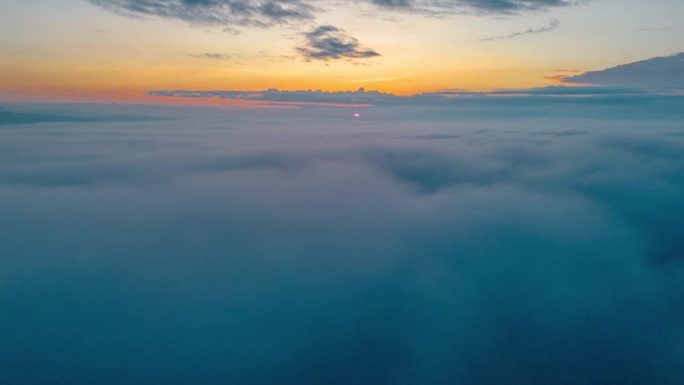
[477,6]
[267,13]
[553,25]
[349,97]
[330,43]
[31,116]
[214,56]
[545,101]
[506,6]
[662,29]
[658,74]
[334,250]
[259,13]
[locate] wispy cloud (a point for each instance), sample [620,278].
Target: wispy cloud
[266,13]
[653,29]
[259,13]
[553,25]
[327,42]
[475,6]
[214,56]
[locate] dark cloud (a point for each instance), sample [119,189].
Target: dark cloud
[265,13]
[657,74]
[309,247]
[261,13]
[331,43]
[553,25]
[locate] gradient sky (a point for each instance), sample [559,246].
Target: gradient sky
[117,50]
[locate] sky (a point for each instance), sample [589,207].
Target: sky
[372,192]
[96,50]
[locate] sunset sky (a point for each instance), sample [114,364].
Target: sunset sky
[118,50]
[342,192]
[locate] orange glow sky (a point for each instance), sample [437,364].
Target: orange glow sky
[75,50]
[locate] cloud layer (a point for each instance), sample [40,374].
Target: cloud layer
[546,101]
[310,247]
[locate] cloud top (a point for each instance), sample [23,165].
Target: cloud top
[335,250]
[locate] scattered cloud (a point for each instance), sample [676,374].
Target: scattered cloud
[553,25]
[227,13]
[266,13]
[327,42]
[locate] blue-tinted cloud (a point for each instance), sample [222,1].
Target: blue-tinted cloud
[265,13]
[545,101]
[553,25]
[31,116]
[216,12]
[327,42]
[335,250]
[478,6]
[659,73]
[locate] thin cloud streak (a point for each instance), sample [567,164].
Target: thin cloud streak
[553,25]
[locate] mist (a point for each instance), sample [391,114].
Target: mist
[159,245]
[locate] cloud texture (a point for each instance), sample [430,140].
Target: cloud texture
[264,13]
[308,247]
[553,25]
[216,12]
[658,73]
[328,43]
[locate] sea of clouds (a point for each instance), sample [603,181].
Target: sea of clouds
[150,245]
